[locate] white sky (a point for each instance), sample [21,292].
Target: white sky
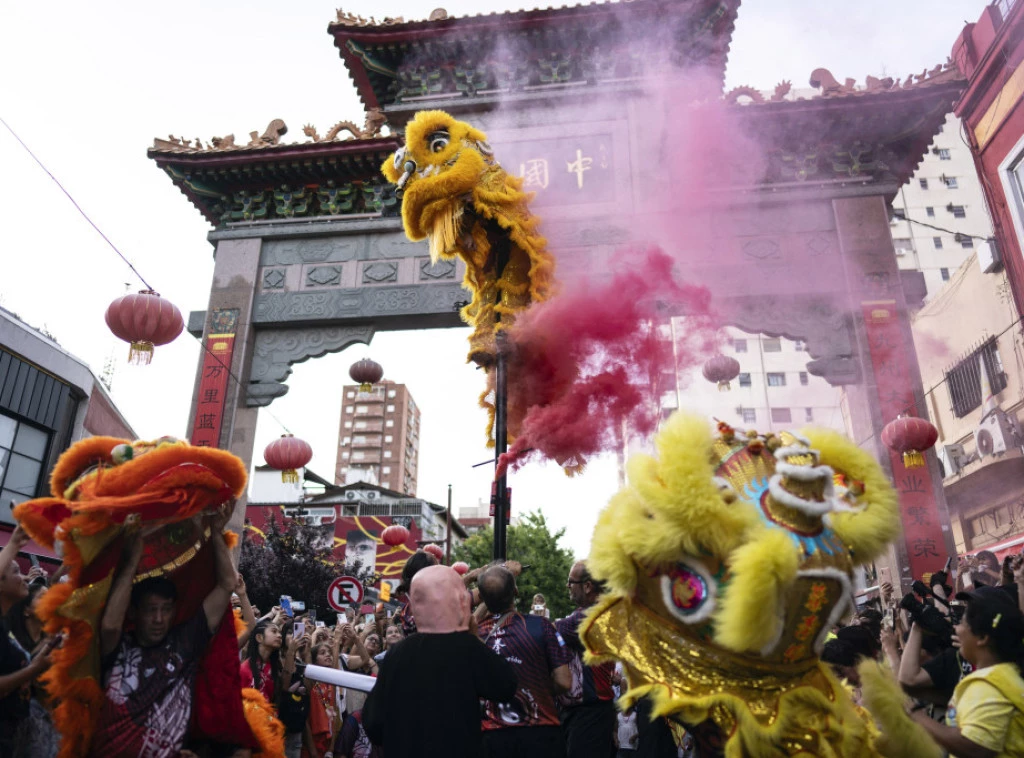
[88,86]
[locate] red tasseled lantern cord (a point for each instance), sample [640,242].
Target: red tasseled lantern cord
[140,353]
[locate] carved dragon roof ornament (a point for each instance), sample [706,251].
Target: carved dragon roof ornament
[271,136]
[822,78]
[375,121]
[830,87]
[352,19]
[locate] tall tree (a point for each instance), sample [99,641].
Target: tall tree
[291,559]
[532,544]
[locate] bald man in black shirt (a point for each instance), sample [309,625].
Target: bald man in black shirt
[426,701]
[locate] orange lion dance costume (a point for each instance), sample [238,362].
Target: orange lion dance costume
[102,488]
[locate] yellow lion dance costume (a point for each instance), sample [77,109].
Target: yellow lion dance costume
[455,194]
[102,487]
[728,559]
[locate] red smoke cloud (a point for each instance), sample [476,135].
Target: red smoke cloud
[589,361]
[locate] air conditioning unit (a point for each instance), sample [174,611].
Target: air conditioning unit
[351,495]
[994,435]
[989,259]
[371,494]
[953,458]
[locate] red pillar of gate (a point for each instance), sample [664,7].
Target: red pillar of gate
[891,382]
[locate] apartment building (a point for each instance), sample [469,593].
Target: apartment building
[379,437]
[939,216]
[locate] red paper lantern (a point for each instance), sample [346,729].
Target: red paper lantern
[435,550]
[144,320]
[288,454]
[395,535]
[911,436]
[461,567]
[722,369]
[367,373]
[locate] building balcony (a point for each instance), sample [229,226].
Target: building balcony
[362,441]
[362,459]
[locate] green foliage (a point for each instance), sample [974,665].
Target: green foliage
[292,559]
[532,544]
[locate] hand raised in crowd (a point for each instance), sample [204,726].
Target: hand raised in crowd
[19,537]
[887,593]
[514,567]
[1017,567]
[888,639]
[41,659]
[240,586]
[223,516]
[36,572]
[381,614]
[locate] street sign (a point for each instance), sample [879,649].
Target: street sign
[343,592]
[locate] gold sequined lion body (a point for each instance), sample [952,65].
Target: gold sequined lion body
[728,559]
[455,194]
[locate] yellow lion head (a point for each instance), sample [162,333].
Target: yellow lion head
[441,164]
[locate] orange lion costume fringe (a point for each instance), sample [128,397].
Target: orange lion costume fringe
[103,487]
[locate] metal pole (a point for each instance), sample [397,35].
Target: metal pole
[500,412]
[500,447]
[448,531]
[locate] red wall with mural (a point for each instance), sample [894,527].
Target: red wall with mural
[355,538]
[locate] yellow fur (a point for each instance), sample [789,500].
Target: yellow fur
[670,506]
[463,201]
[901,737]
[760,569]
[774,578]
[869,531]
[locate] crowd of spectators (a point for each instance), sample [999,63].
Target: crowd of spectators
[460,670]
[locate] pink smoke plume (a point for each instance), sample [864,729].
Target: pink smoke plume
[588,362]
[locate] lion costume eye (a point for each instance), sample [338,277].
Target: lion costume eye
[438,141]
[688,591]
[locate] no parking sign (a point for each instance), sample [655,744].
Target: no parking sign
[343,592]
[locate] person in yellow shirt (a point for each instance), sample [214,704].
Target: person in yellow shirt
[985,718]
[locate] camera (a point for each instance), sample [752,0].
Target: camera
[927,617]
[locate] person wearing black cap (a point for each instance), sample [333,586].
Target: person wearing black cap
[985,718]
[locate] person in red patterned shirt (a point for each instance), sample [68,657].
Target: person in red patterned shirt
[529,724]
[149,673]
[588,713]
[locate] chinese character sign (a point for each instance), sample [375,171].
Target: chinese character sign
[890,360]
[564,171]
[213,383]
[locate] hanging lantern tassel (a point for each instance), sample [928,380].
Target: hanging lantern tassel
[365,387]
[724,386]
[913,459]
[140,353]
[290,476]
